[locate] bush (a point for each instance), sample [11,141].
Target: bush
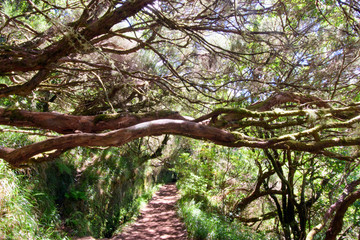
[204,225]
[25,213]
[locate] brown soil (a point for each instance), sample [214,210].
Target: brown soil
[158,220]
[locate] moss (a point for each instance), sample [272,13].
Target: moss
[106,117]
[99,118]
[159,114]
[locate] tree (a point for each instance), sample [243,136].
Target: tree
[272,75]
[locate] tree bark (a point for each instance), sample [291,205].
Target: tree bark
[66,124]
[341,203]
[338,220]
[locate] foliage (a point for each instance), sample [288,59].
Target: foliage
[208,178]
[208,173]
[27,210]
[246,189]
[201,224]
[86,192]
[107,193]
[277,79]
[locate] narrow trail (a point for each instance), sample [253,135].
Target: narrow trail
[158,220]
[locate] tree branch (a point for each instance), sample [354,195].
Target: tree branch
[131,126]
[338,220]
[19,156]
[32,60]
[65,124]
[345,200]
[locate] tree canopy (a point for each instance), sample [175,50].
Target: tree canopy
[281,76]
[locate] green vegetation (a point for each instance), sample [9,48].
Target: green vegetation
[85,193]
[202,224]
[27,210]
[223,191]
[275,81]
[208,178]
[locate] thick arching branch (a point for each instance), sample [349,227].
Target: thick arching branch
[187,128]
[118,138]
[220,118]
[127,127]
[65,124]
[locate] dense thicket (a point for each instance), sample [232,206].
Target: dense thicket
[278,81]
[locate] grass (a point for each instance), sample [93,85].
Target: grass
[204,225]
[20,217]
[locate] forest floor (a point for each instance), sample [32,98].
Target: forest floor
[158,220]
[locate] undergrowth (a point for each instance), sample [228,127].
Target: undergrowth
[25,214]
[86,192]
[201,224]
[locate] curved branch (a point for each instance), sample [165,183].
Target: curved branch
[340,206]
[239,113]
[186,128]
[256,193]
[27,87]
[265,216]
[19,156]
[131,126]
[286,97]
[338,220]
[65,124]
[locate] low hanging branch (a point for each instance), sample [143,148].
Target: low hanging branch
[66,124]
[89,130]
[338,220]
[119,137]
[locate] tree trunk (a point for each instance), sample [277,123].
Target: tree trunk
[338,220]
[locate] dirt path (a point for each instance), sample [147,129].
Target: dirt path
[158,220]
